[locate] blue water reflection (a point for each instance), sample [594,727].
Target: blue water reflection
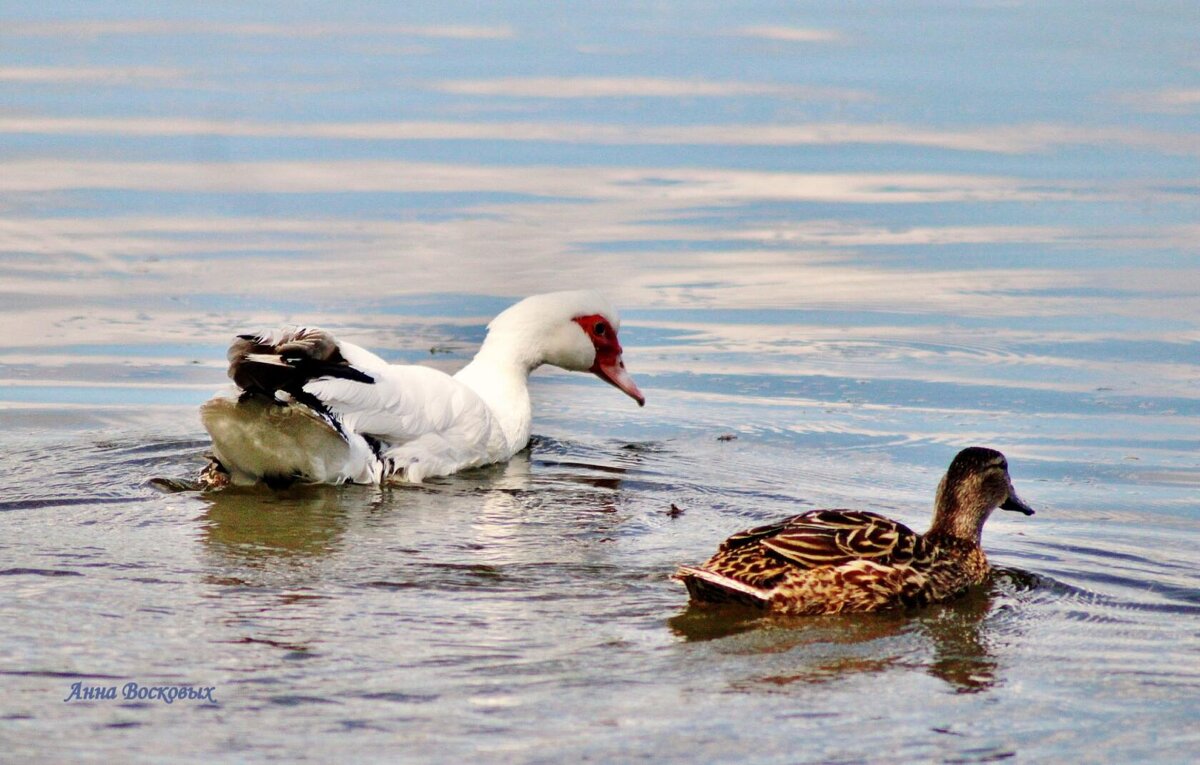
[856,237]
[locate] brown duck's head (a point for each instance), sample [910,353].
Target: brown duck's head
[976,483]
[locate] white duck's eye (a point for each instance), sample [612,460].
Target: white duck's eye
[600,329]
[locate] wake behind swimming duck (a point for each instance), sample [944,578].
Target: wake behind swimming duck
[307,407]
[841,561]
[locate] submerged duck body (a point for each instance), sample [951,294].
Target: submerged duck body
[844,561]
[308,407]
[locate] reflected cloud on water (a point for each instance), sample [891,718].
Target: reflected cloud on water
[793,264]
[779,33]
[92,29]
[52,75]
[664,187]
[1002,139]
[1165,101]
[637,87]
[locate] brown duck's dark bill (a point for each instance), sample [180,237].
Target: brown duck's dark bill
[1015,503]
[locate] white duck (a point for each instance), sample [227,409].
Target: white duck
[310,408]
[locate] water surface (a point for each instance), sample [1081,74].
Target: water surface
[856,237]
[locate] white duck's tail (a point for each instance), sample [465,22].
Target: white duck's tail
[258,439]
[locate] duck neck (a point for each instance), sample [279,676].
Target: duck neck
[499,374]
[952,519]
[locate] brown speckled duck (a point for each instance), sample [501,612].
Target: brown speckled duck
[842,561]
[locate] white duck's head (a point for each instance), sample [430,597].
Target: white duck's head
[574,330]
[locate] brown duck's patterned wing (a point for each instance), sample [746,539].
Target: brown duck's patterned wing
[743,538]
[287,360]
[834,537]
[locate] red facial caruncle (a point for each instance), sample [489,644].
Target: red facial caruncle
[609,365]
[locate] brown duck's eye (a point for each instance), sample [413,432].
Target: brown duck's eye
[600,329]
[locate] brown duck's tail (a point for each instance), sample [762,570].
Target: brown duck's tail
[709,587]
[287,360]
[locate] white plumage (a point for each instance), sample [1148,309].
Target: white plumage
[308,407]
